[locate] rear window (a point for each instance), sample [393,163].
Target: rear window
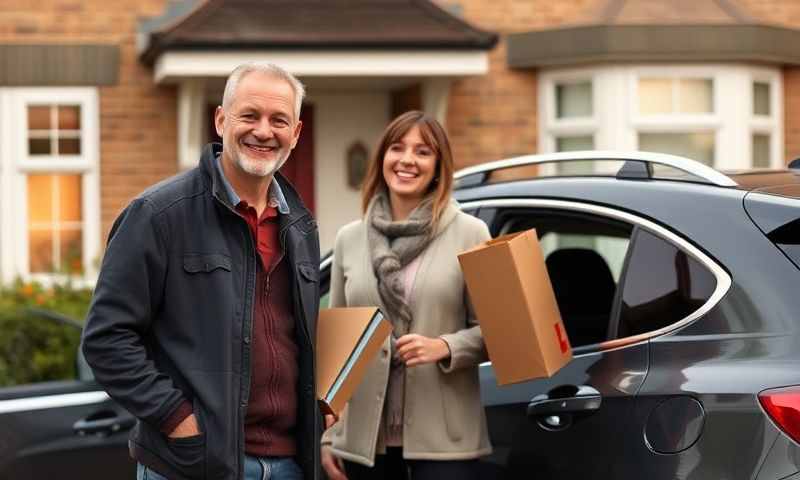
[663,285]
[787,238]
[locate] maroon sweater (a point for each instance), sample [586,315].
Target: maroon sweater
[272,406]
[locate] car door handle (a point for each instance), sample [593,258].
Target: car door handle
[568,399]
[104,423]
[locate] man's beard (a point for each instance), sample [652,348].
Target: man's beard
[261,168]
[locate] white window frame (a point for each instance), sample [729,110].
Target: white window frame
[567,127]
[616,121]
[16,164]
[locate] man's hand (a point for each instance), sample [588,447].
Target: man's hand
[416,349]
[330,420]
[187,428]
[334,468]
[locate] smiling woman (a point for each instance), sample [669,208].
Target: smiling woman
[423,391]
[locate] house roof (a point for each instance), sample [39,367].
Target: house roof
[659,12]
[308,24]
[657,30]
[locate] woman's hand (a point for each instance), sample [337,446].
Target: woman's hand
[416,349]
[332,464]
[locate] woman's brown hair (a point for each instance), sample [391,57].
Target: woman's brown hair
[434,136]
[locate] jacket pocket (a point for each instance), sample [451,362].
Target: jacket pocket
[308,271]
[189,453]
[206,262]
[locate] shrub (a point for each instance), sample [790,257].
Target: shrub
[34,345]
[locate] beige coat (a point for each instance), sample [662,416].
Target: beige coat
[443,415]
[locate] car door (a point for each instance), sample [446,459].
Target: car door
[55,421]
[576,423]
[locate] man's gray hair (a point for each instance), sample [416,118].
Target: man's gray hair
[268,69]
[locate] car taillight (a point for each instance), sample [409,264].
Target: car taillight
[783,406]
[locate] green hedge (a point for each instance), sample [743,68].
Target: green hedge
[33,347]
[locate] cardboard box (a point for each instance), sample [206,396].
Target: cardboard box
[514,301]
[347,341]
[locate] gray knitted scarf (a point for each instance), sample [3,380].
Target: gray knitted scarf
[392,246]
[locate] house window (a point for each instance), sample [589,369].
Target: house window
[574,100]
[55,223]
[763,125]
[49,161]
[725,116]
[572,123]
[676,115]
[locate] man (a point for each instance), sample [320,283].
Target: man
[205,309]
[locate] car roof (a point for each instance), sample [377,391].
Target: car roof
[783,182]
[632,165]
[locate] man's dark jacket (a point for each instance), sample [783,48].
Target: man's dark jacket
[171,319]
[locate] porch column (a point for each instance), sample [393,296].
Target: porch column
[191,122]
[435,97]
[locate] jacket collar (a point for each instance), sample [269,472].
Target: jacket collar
[286,195]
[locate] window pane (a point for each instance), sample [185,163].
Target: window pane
[69,117]
[39,118]
[40,198]
[40,251]
[574,100]
[697,146]
[655,95]
[39,146]
[324,300]
[69,200]
[662,286]
[574,144]
[69,146]
[71,249]
[761,151]
[696,96]
[761,104]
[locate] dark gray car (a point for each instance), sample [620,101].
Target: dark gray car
[678,286]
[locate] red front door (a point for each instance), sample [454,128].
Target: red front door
[299,169]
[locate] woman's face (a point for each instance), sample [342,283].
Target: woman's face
[409,166]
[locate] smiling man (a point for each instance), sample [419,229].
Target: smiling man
[205,310]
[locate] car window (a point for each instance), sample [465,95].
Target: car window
[662,285]
[787,238]
[584,255]
[324,300]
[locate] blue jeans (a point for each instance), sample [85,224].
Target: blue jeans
[267,468]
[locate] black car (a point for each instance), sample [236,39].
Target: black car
[677,285]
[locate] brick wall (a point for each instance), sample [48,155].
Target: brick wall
[495,116]
[138,139]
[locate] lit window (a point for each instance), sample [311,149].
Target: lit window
[55,223]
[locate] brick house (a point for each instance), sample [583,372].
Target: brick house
[97,102]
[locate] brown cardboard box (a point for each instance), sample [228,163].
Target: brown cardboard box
[511,292]
[347,341]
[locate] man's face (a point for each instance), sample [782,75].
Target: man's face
[259,128]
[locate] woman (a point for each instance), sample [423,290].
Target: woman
[418,412]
